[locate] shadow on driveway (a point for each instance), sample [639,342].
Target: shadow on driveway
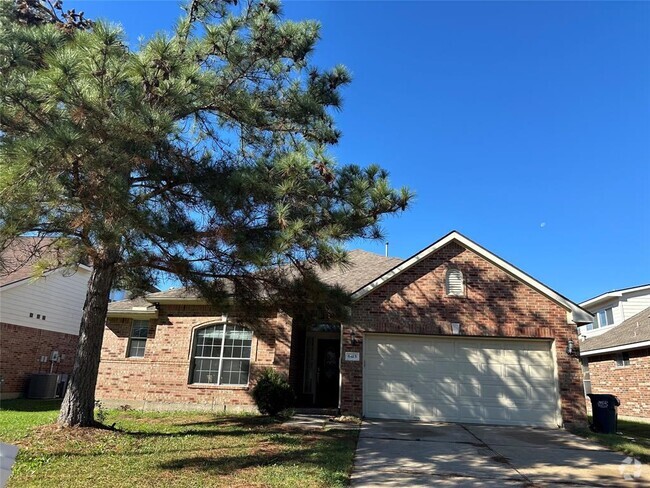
[395,453]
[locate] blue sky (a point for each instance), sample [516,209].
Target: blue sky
[525,126]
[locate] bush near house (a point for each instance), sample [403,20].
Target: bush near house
[273,393]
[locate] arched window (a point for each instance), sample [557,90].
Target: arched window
[221,355]
[455,283]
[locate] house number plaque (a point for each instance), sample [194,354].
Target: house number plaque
[352,356]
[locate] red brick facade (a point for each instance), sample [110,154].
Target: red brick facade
[161,377]
[631,384]
[495,305]
[20,349]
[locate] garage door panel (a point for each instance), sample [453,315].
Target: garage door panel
[396,410]
[445,410]
[456,379]
[392,386]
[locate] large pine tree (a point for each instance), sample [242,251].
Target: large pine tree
[201,153]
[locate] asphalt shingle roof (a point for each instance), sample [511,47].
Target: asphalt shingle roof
[127,305]
[17,260]
[364,267]
[630,331]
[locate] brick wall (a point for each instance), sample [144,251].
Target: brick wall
[162,375]
[20,349]
[631,384]
[495,304]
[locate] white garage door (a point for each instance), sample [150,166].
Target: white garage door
[472,380]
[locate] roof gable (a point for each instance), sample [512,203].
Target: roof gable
[578,314]
[614,294]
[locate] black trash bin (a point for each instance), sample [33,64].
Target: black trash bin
[604,410]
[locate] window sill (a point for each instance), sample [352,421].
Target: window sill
[217,387]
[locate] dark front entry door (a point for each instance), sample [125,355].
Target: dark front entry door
[327,373]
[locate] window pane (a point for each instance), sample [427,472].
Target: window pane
[136,348]
[610,316]
[623,359]
[208,341]
[238,342]
[234,371]
[140,332]
[140,328]
[206,371]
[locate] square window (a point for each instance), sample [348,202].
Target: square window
[622,359]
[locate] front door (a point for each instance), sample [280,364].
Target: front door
[327,373]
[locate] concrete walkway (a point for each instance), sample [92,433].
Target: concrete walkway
[393,453]
[318,422]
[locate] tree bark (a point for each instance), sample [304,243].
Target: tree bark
[78,404]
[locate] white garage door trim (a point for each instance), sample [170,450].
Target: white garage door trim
[511,382]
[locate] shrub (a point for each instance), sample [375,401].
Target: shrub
[272,393]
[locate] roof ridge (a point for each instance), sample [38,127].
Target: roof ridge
[616,290]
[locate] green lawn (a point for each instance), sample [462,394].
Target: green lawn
[171,449]
[633,440]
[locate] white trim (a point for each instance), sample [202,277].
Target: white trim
[625,347]
[613,294]
[556,373]
[132,314]
[578,314]
[176,300]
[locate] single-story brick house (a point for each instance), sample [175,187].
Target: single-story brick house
[453,333]
[618,362]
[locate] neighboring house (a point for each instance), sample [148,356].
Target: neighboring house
[613,307]
[454,333]
[616,359]
[38,316]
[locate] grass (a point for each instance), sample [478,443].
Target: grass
[180,449]
[633,439]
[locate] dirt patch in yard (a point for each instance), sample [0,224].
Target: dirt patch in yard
[53,435]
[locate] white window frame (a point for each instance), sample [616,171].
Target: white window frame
[597,324]
[448,290]
[194,357]
[137,323]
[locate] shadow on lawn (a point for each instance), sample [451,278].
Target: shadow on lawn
[220,426]
[238,421]
[317,454]
[26,405]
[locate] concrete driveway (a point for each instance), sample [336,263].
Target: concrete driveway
[394,453]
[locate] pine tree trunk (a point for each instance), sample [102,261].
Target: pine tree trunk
[79,401]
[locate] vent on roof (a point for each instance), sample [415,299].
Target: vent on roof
[455,283]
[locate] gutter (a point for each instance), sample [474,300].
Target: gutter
[606,350]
